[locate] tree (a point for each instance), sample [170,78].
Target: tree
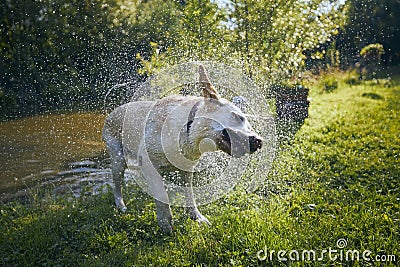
[59,53]
[274,35]
[368,22]
[198,34]
[270,36]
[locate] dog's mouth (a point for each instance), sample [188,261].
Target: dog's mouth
[224,142]
[248,145]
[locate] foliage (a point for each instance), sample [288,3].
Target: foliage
[372,52]
[371,21]
[352,81]
[199,34]
[32,44]
[7,104]
[371,55]
[337,179]
[59,53]
[273,34]
[330,83]
[260,36]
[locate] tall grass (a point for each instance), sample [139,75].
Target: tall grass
[337,180]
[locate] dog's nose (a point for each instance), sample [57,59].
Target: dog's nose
[255,143]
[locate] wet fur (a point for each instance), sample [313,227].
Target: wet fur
[145,119]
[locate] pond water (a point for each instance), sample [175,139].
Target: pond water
[63,151]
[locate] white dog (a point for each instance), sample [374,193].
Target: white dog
[170,135]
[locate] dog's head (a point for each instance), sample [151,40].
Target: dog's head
[223,123]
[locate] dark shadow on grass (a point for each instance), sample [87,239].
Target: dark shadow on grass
[372,96]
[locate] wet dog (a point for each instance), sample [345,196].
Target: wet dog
[170,135]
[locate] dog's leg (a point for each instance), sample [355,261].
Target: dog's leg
[193,211]
[164,216]
[157,190]
[118,165]
[118,171]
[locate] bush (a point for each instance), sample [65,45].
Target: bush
[352,81]
[330,83]
[371,56]
[8,104]
[372,52]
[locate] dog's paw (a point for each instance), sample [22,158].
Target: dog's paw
[120,205]
[164,217]
[201,219]
[195,215]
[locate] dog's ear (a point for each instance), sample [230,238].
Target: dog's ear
[207,89]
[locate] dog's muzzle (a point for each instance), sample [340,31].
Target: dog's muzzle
[255,143]
[234,144]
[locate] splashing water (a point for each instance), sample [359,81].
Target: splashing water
[67,157]
[216,173]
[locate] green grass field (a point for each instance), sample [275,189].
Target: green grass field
[333,190]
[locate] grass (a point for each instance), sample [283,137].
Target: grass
[337,179]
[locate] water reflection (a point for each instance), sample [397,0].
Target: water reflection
[64,151]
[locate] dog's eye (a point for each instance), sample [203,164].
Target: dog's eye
[238,116]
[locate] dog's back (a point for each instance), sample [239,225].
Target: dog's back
[131,115]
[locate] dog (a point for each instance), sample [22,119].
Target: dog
[170,135]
